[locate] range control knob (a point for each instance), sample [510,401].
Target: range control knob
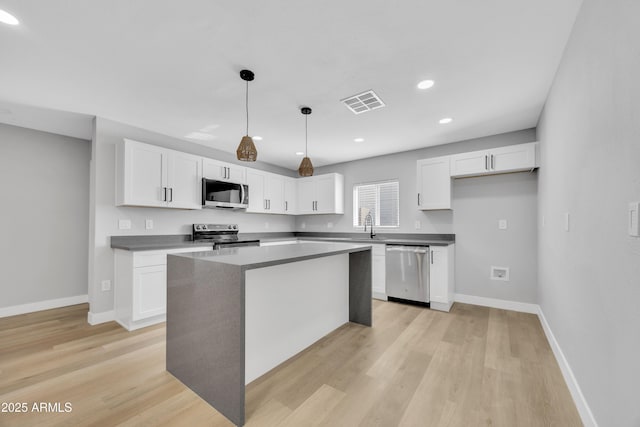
[235,227]
[203,227]
[197,227]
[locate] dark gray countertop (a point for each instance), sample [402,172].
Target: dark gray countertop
[159,242]
[250,257]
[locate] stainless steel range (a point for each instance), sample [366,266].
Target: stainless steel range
[221,235]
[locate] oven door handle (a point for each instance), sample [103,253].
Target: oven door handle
[242,194]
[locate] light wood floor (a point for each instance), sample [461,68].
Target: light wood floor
[474,366]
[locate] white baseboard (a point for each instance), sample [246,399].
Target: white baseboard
[574,388]
[42,305]
[103,317]
[379,295]
[523,307]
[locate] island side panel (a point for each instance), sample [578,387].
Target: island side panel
[360,287]
[205,331]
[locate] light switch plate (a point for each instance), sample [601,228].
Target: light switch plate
[418,224]
[106,285]
[502,224]
[634,224]
[330,224]
[148,224]
[124,224]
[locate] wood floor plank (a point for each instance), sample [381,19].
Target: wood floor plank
[474,366]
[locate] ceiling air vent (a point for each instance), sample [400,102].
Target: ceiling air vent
[363,102]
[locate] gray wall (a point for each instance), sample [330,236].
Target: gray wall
[590,276]
[44,216]
[105,215]
[478,203]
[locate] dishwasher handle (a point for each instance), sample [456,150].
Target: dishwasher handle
[412,249]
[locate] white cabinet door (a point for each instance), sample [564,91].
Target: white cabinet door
[144,179]
[290,196]
[438,274]
[513,158]
[221,171]
[378,271]
[184,181]
[149,292]
[274,193]
[441,277]
[469,164]
[434,183]
[321,194]
[325,194]
[306,196]
[256,183]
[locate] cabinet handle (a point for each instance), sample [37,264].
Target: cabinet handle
[164,194]
[228,173]
[171,194]
[418,199]
[492,164]
[431,256]
[286,205]
[486,162]
[269,204]
[264,203]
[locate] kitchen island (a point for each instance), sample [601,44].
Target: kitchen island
[234,314]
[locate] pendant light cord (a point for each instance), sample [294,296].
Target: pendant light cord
[306,128]
[246,103]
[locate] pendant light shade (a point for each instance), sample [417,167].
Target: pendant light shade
[306,168]
[247,151]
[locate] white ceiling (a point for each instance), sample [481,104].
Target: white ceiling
[172,67]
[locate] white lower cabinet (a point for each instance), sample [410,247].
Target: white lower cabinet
[378,272]
[141,286]
[441,277]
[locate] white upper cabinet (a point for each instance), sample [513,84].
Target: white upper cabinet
[266,192]
[321,194]
[513,158]
[184,180]
[148,175]
[290,196]
[221,171]
[434,183]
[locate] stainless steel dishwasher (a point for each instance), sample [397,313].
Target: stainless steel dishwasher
[407,277]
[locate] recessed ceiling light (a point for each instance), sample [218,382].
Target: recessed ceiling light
[445,120]
[299,153]
[257,138]
[8,18]
[359,140]
[425,84]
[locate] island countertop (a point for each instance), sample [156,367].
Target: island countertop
[250,257]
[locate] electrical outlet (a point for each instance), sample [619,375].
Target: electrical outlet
[303,225]
[148,224]
[418,224]
[106,285]
[329,224]
[266,225]
[502,224]
[124,224]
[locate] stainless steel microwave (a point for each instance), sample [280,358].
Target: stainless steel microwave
[224,195]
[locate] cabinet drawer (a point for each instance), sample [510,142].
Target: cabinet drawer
[378,250]
[149,259]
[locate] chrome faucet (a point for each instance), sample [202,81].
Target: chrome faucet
[370,219]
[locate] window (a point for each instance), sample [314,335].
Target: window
[380,200]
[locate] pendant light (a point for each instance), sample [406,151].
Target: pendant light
[306,168]
[247,150]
